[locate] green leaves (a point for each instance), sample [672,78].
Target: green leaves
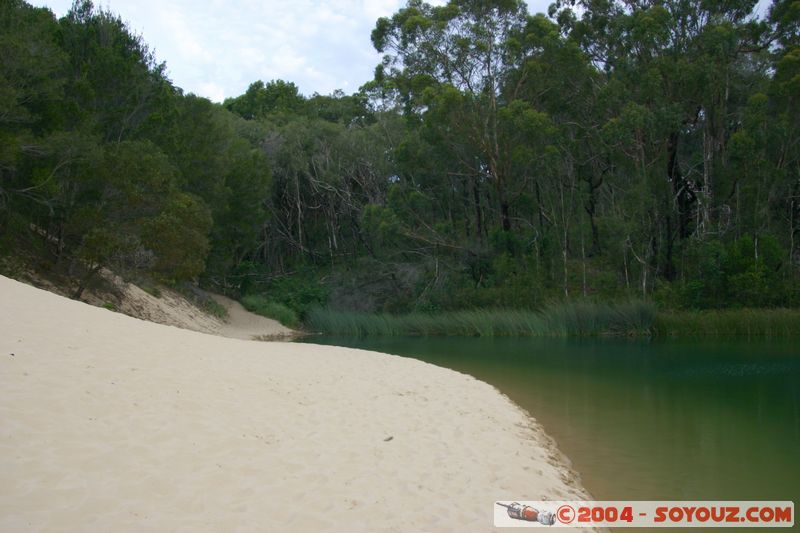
[115,87]
[381,225]
[277,99]
[178,236]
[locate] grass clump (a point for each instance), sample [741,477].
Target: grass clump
[564,320]
[213,307]
[729,323]
[200,298]
[152,290]
[261,305]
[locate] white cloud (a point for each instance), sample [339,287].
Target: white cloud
[375,9]
[211,91]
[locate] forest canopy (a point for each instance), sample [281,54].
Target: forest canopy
[607,150]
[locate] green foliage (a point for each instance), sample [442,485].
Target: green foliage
[381,225]
[276,98]
[152,290]
[262,305]
[747,272]
[298,293]
[729,323]
[564,320]
[214,308]
[199,297]
[178,237]
[116,88]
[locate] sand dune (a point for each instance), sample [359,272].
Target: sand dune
[242,324]
[109,423]
[171,308]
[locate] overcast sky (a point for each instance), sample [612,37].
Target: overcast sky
[216,48]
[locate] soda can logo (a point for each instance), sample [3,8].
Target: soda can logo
[528,513]
[619,514]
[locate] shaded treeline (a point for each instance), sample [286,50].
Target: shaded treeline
[105,163]
[609,150]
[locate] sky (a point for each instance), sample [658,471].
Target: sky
[216,48]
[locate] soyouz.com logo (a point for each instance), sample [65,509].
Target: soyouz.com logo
[643,514]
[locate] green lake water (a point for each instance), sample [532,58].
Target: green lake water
[672,420]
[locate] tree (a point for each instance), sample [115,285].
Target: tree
[32,77]
[680,70]
[116,87]
[129,214]
[457,57]
[276,98]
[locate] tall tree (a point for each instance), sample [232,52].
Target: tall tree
[458,57]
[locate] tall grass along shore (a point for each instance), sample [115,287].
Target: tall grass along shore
[563,320]
[728,323]
[577,319]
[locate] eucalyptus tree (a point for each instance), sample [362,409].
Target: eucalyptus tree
[780,134]
[678,73]
[453,61]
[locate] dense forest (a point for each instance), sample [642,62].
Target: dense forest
[609,150]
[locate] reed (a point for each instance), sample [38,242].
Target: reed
[564,320]
[768,323]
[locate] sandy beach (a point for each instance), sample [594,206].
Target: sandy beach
[110,423]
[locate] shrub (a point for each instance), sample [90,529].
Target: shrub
[299,293]
[265,307]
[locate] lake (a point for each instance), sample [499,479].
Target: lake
[642,420]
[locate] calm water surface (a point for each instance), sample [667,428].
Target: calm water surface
[646,420]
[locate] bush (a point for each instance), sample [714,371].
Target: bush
[261,305]
[745,272]
[200,298]
[215,308]
[298,293]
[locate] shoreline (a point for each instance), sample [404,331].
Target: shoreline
[111,422]
[568,320]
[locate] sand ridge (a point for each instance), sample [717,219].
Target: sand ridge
[171,308]
[109,423]
[242,324]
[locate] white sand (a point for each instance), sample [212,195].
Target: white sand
[109,423]
[171,308]
[242,324]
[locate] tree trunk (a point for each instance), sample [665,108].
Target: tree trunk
[504,215]
[476,196]
[682,194]
[591,208]
[299,206]
[85,282]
